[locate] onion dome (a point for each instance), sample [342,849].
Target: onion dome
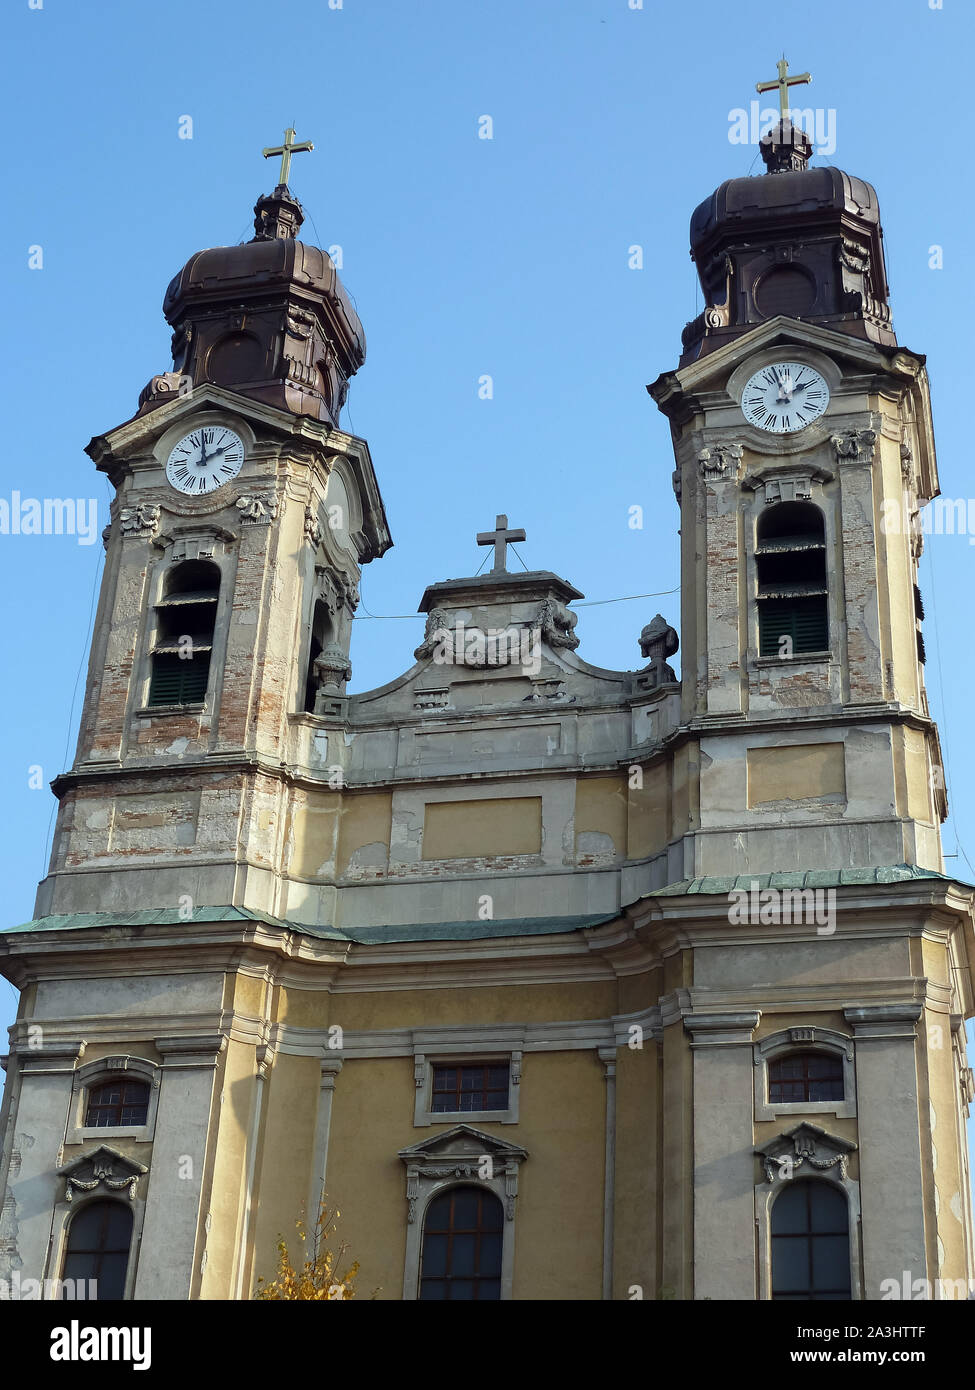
[269,319]
[804,243]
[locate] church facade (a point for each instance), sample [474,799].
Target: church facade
[562,982]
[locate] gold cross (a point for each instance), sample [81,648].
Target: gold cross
[286,151]
[782,82]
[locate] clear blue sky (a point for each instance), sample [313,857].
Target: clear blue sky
[466,257]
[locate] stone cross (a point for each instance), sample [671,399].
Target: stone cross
[782,82]
[286,151]
[500,538]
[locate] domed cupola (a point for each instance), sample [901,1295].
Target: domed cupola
[268,319]
[800,242]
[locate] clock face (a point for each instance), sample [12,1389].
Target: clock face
[784,397]
[205,459]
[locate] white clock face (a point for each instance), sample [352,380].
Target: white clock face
[205,459]
[784,397]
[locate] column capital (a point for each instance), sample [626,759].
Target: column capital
[49,1057]
[721,1029]
[191,1050]
[332,1064]
[893,1020]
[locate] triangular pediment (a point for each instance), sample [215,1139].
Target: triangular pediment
[461,1144]
[346,454]
[102,1168]
[153,423]
[102,1160]
[782,331]
[806,1146]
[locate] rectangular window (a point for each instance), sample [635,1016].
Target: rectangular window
[806,1076]
[462,1089]
[802,620]
[176,681]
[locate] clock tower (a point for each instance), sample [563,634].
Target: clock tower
[804,449]
[242,518]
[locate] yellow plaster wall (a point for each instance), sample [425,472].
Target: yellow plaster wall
[917,773]
[601,807]
[796,771]
[635,1220]
[686,796]
[140,1048]
[941,1109]
[228,1174]
[366,820]
[327,827]
[558,1230]
[676,1202]
[372,1117]
[650,813]
[284,1158]
[896,596]
[490,1004]
[482,829]
[312,833]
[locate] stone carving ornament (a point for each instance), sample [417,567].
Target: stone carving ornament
[658,640]
[104,1167]
[257,511]
[557,624]
[719,461]
[855,444]
[313,527]
[330,670]
[436,626]
[142,521]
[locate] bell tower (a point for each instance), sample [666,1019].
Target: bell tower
[804,451]
[243,516]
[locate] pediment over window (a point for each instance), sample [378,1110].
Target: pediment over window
[459,1151]
[805,1146]
[102,1167]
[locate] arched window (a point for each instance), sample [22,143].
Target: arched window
[792,590]
[810,1243]
[802,1076]
[462,1237]
[322,632]
[185,620]
[122,1102]
[99,1238]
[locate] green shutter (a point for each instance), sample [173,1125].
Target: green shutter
[178,682]
[802,619]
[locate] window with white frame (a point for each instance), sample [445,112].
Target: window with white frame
[114,1098]
[804,1071]
[464,1086]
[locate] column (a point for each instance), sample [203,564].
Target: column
[891,1187]
[724,1161]
[178,1166]
[36,1134]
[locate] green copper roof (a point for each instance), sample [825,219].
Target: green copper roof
[420,931]
[478,931]
[801,878]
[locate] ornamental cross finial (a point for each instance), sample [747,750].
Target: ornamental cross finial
[500,538]
[286,151]
[783,82]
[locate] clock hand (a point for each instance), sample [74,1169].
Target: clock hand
[203,452]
